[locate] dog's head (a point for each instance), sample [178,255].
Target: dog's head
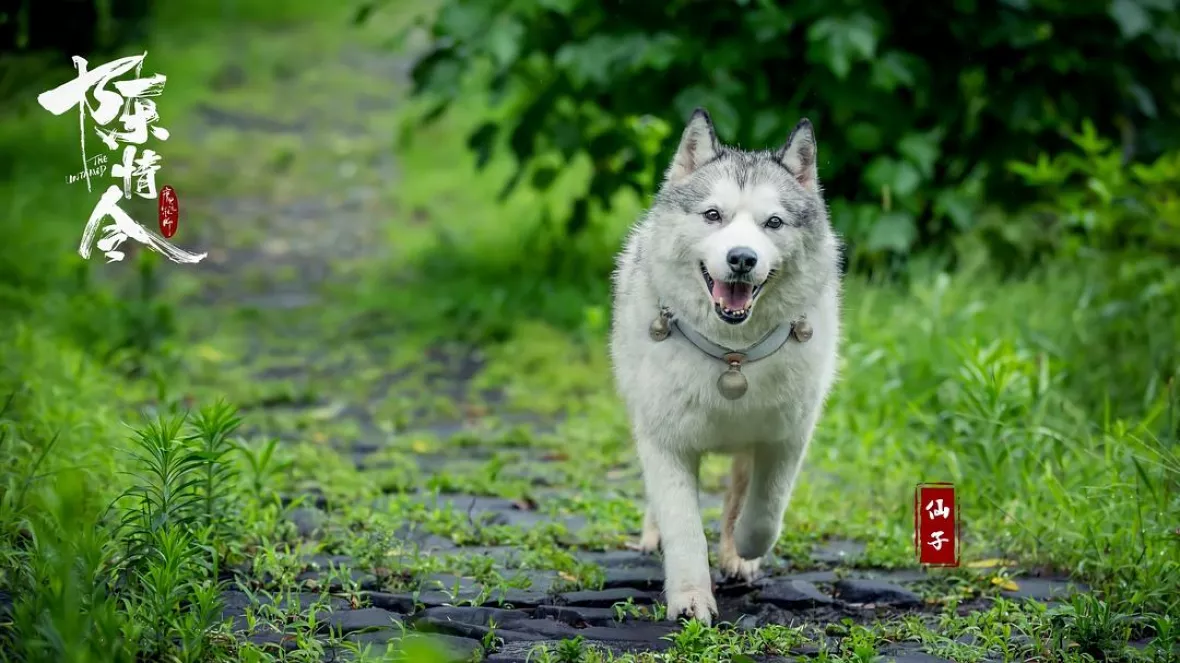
[738,223]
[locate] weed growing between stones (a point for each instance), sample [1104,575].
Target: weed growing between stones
[146,577]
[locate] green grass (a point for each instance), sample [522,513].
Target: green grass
[1043,399]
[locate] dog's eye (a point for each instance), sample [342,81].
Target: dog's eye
[774,223]
[712,215]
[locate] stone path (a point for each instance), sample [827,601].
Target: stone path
[621,615]
[500,600]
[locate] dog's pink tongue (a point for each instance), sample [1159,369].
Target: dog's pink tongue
[733,296]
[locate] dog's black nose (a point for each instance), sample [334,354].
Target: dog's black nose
[741,259]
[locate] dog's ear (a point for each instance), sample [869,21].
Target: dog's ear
[698,145]
[798,155]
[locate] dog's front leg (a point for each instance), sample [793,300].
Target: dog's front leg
[771,483]
[670,477]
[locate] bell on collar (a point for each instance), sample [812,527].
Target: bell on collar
[660,328]
[733,384]
[801,330]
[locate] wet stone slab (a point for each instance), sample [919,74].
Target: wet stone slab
[360,619]
[531,626]
[487,511]
[580,617]
[614,559]
[1044,589]
[875,592]
[792,595]
[646,578]
[606,598]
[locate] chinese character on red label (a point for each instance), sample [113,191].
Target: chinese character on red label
[169,211]
[936,524]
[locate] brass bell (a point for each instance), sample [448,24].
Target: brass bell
[733,384]
[801,330]
[660,329]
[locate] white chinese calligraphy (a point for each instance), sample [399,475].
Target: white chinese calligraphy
[144,168]
[74,94]
[137,121]
[125,227]
[939,511]
[936,540]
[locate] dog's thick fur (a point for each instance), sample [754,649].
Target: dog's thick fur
[715,198]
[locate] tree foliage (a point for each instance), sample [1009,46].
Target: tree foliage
[918,106]
[69,27]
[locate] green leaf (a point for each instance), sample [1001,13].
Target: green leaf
[838,42]
[1144,99]
[922,150]
[567,136]
[906,180]
[956,207]
[584,63]
[768,22]
[362,13]
[465,21]
[543,177]
[1100,189]
[482,142]
[864,136]
[861,37]
[441,76]
[658,52]
[1133,20]
[891,71]
[504,38]
[900,177]
[893,231]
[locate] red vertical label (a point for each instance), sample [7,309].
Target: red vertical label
[936,524]
[169,211]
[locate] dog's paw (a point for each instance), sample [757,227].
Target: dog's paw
[697,604]
[733,567]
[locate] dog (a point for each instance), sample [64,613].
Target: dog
[724,339]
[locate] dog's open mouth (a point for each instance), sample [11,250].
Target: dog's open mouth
[732,300]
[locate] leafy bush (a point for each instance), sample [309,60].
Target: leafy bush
[1090,200]
[917,108]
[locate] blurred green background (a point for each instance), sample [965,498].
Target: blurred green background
[397,176]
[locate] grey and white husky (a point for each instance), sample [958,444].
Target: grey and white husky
[724,339]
